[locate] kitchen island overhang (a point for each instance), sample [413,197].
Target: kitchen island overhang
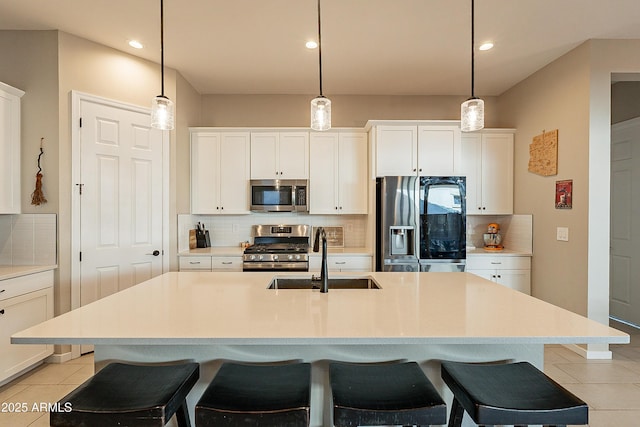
[212,317]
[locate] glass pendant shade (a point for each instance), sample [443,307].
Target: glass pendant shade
[162,113]
[472,115]
[321,113]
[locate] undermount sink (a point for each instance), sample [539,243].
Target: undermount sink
[345,282]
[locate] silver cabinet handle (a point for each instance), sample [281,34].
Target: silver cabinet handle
[227,262]
[341,262]
[194,262]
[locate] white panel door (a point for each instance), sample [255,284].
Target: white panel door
[121,200]
[625,222]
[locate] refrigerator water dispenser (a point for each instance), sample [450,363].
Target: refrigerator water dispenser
[401,239]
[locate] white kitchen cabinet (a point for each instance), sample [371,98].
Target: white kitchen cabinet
[226,263]
[487,162]
[511,271]
[339,263]
[424,150]
[9,149]
[220,171]
[195,263]
[338,173]
[279,155]
[25,301]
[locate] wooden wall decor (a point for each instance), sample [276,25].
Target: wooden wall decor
[543,153]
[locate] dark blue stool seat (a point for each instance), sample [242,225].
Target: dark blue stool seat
[130,395]
[257,395]
[384,394]
[511,393]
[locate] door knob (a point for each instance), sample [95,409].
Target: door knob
[155,253]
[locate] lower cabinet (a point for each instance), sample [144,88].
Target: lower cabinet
[340,263]
[511,271]
[25,301]
[210,263]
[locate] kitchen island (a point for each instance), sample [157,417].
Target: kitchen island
[426,317]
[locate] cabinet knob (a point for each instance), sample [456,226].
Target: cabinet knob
[420,169]
[2,311]
[414,169]
[2,290]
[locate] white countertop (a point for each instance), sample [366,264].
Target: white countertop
[504,252]
[237,308]
[12,271]
[237,251]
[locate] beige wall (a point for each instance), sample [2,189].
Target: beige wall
[30,63]
[556,97]
[346,110]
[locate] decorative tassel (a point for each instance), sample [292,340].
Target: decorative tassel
[37,197]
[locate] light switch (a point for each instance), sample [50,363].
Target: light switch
[562,234]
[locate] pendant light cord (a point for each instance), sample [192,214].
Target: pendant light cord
[319,48]
[162,44]
[472,50]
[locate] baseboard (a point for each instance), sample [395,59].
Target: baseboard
[59,358]
[590,354]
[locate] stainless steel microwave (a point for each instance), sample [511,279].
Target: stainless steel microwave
[279,195]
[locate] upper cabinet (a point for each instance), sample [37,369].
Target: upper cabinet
[417,149]
[9,149]
[219,172]
[338,173]
[280,155]
[487,162]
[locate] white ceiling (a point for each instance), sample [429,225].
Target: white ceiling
[394,47]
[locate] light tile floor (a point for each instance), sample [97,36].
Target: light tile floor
[610,387]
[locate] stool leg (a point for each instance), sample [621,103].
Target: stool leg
[457,413]
[182,415]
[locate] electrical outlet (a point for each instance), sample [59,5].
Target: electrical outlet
[562,234]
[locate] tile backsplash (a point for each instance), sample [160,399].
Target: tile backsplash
[230,230]
[28,239]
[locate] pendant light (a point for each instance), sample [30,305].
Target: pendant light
[472,110]
[321,105]
[162,114]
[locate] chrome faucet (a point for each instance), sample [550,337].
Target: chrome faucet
[324,278]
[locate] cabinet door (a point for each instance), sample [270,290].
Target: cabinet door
[520,280]
[497,174]
[323,173]
[471,163]
[396,150]
[17,314]
[264,163]
[293,154]
[9,149]
[205,177]
[352,173]
[234,173]
[438,150]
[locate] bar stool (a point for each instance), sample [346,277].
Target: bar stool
[257,395]
[130,395]
[511,393]
[384,394]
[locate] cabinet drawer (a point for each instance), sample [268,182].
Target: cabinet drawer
[226,263]
[349,263]
[195,263]
[10,288]
[498,262]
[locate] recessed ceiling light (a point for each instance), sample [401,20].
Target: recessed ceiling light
[135,44]
[486,46]
[311,44]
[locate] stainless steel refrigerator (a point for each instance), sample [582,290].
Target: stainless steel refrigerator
[421,223]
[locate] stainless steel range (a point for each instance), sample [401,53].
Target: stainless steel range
[278,248]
